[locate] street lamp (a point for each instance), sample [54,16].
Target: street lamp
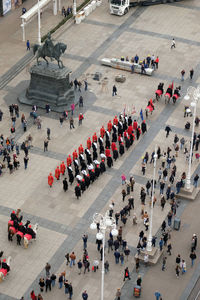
[149,242]
[104,223]
[193,93]
[39,24]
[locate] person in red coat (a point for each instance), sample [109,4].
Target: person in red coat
[33,297]
[50,180]
[107,152]
[115,121]
[62,168]
[125,134]
[130,129]
[94,138]
[113,146]
[57,173]
[89,143]
[102,131]
[75,155]
[69,160]
[80,149]
[109,126]
[135,125]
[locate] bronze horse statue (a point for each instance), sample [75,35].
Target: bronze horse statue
[49,50]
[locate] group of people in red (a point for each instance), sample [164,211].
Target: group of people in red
[170,92]
[112,142]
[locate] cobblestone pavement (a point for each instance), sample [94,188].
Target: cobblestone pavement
[62,219]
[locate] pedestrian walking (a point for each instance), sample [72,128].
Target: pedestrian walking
[71,123]
[114,90]
[33,296]
[48,133]
[183,266]
[61,280]
[28,45]
[85,295]
[106,266]
[26,159]
[67,259]
[161,242]
[182,75]
[177,269]
[191,73]
[169,248]
[41,284]
[173,45]
[66,284]
[122,259]
[80,265]
[158,295]
[47,269]
[117,256]
[164,263]
[72,259]
[53,279]
[46,142]
[195,182]
[48,283]
[85,238]
[167,129]
[126,274]
[137,264]
[80,119]
[70,289]
[118,294]
[193,257]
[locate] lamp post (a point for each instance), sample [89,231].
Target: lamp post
[74,8]
[39,25]
[149,242]
[193,93]
[104,223]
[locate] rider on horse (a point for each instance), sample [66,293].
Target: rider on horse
[48,46]
[31,232]
[5,266]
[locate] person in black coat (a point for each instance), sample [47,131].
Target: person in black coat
[121,149]
[83,185]
[143,127]
[115,154]
[92,176]
[95,155]
[65,185]
[102,166]
[114,137]
[78,191]
[127,143]
[87,180]
[97,171]
[109,161]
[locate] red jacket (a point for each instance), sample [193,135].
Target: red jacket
[113,146]
[130,129]
[89,143]
[57,172]
[50,179]
[80,149]
[102,131]
[94,138]
[69,161]
[62,168]
[75,155]
[115,120]
[107,152]
[135,125]
[109,126]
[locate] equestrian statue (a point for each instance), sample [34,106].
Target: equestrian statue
[48,49]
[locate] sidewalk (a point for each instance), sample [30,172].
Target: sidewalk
[167,279]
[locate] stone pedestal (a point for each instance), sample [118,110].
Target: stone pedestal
[190,194]
[49,85]
[154,255]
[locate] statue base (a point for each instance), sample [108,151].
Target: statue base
[49,85]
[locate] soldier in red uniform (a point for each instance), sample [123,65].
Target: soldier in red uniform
[62,168]
[69,160]
[113,146]
[107,152]
[75,155]
[109,126]
[50,180]
[115,121]
[57,173]
[94,138]
[130,129]
[80,149]
[135,125]
[102,131]
[89,143]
